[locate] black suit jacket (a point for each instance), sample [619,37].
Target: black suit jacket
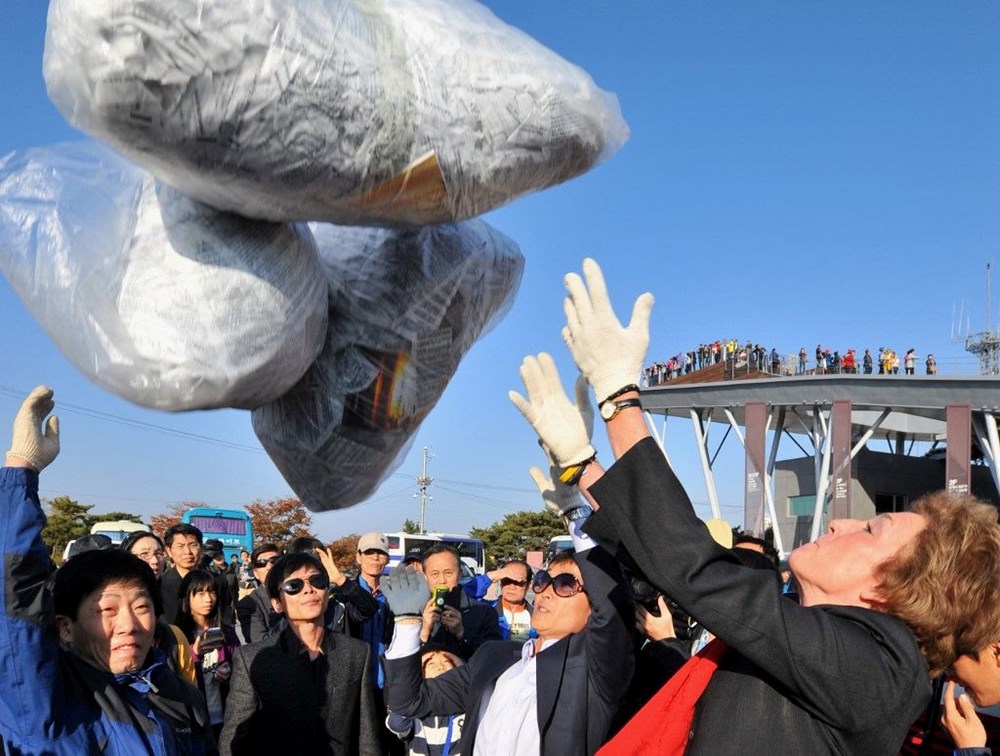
[823,679]
[274,706]
[579,680]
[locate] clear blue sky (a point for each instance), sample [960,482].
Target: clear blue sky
[798,172]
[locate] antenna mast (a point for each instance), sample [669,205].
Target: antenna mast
[986,345]
[424,483]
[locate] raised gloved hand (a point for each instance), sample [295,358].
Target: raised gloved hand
[557,421]
[28,443]
[406,592]
[558,497]
[581,394]
[609,355]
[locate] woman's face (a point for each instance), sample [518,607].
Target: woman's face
[150,551]
[202,602]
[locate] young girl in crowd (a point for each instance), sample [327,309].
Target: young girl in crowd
[431,736]
[167,638]
[212,643]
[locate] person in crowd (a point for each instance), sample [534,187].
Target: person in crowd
[351,603]
[910,361]
[80,674]
[257,617]
[556,694]
[213,642]
[849,668]
[169,639]
[931,365]
[183,544]
[803,355]
[454,621]
[850,362]
[305,690]
[866,362]
[978,672]
[433,735]
[820,360]
[512,605]
[227,587]
[247,580]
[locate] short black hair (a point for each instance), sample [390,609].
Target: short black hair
[181,528]
[527,567]
[306,544]
[263,549]
[441,548]
[195,580]
[133,538]
[286,565]
[82,575]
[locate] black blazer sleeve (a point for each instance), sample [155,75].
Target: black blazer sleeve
[359,604]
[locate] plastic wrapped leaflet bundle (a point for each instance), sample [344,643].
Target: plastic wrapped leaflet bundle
[348,111]
[405,308]
[162,300]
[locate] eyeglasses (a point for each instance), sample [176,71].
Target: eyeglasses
[512,581]
[262,563]
[375,553]
[564,584]
[295,585]
[147,555]
[192,548]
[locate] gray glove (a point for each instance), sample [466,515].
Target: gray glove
[558,497]
[27,440]
[406,592]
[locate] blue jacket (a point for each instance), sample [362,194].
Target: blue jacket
[53,702]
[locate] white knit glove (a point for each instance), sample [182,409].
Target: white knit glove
[581,394]
[557,421]
[609,355]
[27,441]
[558,497]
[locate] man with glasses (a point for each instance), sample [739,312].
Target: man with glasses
[257,618]
[512,605]
[556,694]
[183,544]
[305,689]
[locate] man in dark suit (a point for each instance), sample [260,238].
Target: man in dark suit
[555,694]
[305,689]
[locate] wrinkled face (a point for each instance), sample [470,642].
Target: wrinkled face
[515,588]
[113,629]
[371,562]
[202,601]
[149,551]
[441,569]
[184,550]
[265,558]
[436,663]
[980,677]
[839,566]
[555,616]
[308,604]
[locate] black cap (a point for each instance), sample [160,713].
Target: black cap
[212,546]
[94,542]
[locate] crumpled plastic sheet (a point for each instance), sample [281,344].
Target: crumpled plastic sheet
[349,111]
[160,299]
[405,308]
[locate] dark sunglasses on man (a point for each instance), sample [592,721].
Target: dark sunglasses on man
[563,584]
[295,585]
[262,563]
[512,581]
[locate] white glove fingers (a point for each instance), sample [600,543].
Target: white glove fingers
[522,404]
[534,379]
[640,314]
[550,374]
[599,300]
[579,296]
[52,429]
[581,392]
[541,479]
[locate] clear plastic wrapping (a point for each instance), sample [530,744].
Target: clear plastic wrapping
[349,111]
[158,298]
[405,308]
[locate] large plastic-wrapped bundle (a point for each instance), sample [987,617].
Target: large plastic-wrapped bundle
[348,111]
[160,299]
[405,308]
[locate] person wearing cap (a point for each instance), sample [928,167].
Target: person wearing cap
[80,673]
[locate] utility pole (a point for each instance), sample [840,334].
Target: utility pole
[424,482]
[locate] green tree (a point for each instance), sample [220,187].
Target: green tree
[517,533]
[409,526]
[67,519]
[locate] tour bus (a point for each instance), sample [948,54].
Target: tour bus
[231,526]
[407,544]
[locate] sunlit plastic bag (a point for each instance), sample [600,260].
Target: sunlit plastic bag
[406,307]
[162,300]
[348,111]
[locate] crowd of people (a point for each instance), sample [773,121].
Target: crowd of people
[657,634]
[755,357]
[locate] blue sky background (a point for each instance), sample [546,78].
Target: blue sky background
[798,172]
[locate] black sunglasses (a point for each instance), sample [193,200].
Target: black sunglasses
[295,585]
[564,584]
[512,581]
[262,563]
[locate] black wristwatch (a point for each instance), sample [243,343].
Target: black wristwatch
[610,409]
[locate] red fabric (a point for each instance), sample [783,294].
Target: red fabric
[663,724]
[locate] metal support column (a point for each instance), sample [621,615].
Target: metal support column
[701,435]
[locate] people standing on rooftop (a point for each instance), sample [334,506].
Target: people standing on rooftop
[910,361]
[931,365]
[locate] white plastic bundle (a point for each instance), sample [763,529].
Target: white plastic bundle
[405,308]
[349,111]
[162,300]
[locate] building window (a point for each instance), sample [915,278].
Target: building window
[886,502]
[801,506]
